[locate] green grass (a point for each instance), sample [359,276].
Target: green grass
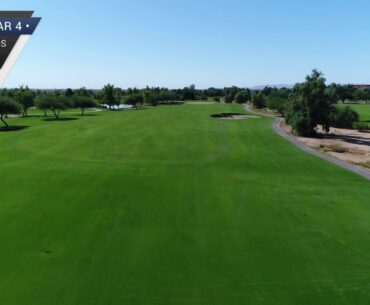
[169,206]
[35,111]
[362,109]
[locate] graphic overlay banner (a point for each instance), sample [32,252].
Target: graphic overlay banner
[16,27]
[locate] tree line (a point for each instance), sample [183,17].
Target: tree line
[20,100]
[313,103]
[304,106]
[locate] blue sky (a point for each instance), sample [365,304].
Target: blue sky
[205,42]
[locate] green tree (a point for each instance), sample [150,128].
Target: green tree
[242,97]
[109,96]
[343,117]
[84,102]
[83,92]
[258,100]
[26,98]
[189,93]
[42,102]
[7,106]
[230,93]
[309,105]
[332,92]
[360,95]
[146,96]
[276,103]
[345,93]
[134,99]
[69,92]
[54,103]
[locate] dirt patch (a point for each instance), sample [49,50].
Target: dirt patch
[344,144]
[233,116]
[263,111]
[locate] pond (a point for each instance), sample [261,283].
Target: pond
[118,107]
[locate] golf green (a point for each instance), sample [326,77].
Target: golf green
[170,206]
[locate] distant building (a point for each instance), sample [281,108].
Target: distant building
[361,86]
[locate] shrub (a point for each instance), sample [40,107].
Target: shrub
[364,164]
[217,99]
[361,126]
[241,97]
[301,124]
[338,149]
[134,99]
[258,100]
[334,148]
[343,117]
[276,103]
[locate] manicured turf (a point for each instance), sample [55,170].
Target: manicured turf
[362,109]
[169,206]
[35,111]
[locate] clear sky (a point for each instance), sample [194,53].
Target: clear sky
[174,43]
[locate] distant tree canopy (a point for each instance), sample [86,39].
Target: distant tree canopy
[26,98]
[83,102]
[189,93]
[54,103]
[42,102]
[242,96]
[258,100]
[276,103]
[69,92]
[305,106]
[361,95]
[343,117]
[84,92]
[8,106]
[110,96]
[134,99]
[347,93]
[230,93]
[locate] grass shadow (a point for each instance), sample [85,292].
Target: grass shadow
[12,128]
[87,114]
[60,119]
[225,115]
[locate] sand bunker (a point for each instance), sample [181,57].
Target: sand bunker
[233,116]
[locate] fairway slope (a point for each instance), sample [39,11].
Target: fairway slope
[171,206]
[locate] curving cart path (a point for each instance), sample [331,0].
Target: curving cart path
[279,130]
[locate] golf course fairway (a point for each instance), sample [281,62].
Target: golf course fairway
[168,205]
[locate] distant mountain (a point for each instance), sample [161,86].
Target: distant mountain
[278,86]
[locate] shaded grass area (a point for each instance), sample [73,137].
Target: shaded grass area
[169,206]
[67,112]
[60,119]
[12,128]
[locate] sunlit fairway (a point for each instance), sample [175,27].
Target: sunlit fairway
[170,206]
